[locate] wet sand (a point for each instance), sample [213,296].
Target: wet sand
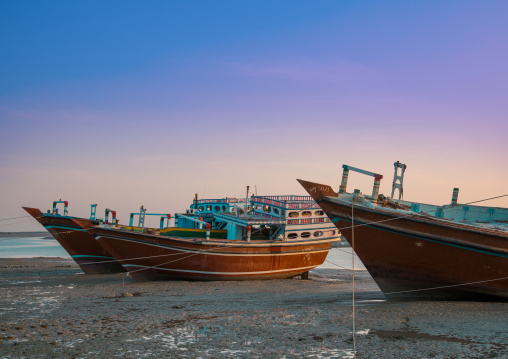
[49,309]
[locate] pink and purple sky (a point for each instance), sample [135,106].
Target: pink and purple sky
[127,103]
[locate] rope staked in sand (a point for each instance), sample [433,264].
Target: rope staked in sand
[352,228]
[448,286]
[339,266]
[352,225]
[423,289]
[353,258]
[411,214]
[335,264]
[158,265]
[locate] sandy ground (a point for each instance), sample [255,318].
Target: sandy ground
[49,309]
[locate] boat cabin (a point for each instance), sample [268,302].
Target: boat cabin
[285,218]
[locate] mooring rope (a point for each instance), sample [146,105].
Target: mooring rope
[353,259]
[423,289]
[158,265]
[161,255]
[218,246]
[447,286]
[352,227]
[337,265]
[8,224]
[6,219]
[412,214]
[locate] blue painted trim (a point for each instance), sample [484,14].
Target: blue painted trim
[90,256]
[430,240]
[55,215]
[65,227]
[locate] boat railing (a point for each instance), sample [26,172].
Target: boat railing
[164,217]
[267,215]
[461,212]
[308,221]
[282,204]
[285,198]
[222,200]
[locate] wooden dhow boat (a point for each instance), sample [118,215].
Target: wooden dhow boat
[90,256]
[231,244]
[419,250]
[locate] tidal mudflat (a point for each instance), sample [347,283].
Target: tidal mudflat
[49,309]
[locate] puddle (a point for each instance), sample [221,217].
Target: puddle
[413,334]
[25,281]
[331,353]
[30,304]
[72,344]
[362,332]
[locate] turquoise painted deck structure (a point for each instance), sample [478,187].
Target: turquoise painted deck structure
[282,218]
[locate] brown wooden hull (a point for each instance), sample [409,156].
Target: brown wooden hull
[91,257]
[421,257]
[153,257]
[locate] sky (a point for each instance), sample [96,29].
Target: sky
[129,103]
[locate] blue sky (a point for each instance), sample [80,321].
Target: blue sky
[128,103]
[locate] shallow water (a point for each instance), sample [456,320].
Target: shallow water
[30,247]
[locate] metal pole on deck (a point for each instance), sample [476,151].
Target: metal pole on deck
[141,223]
[247,201]
[375,189]
[345,175]
[455,196]
[93,210]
